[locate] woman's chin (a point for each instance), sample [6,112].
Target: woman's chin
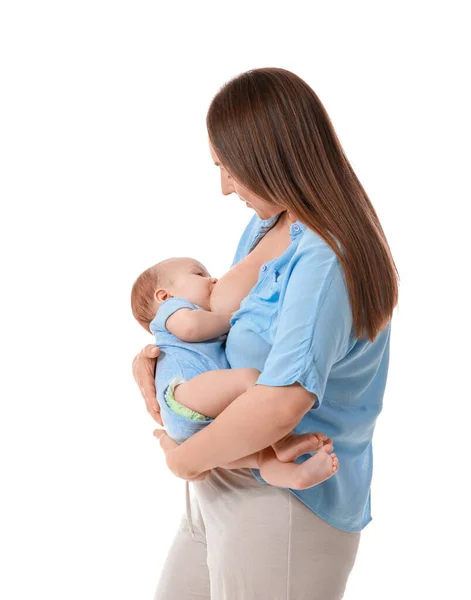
[260,214]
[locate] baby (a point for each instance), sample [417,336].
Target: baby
[194,381]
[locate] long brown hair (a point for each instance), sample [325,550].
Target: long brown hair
[273,135]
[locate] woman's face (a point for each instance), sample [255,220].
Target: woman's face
[229,185]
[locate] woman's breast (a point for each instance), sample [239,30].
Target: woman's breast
[241,279]
[253,326]
[235,285]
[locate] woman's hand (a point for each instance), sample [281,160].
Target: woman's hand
[170,448]
[143,370]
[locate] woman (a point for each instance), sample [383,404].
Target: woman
[320,286]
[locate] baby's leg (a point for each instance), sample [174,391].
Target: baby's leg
[285,450]
[293,445]
[252,461]
[211,392]
[292,475]
[315,470]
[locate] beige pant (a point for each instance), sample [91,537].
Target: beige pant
[242,540]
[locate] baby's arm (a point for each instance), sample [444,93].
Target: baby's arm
[198,325]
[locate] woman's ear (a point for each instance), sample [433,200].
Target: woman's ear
[161,295]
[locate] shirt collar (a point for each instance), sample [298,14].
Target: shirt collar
[295,230]
[268,223]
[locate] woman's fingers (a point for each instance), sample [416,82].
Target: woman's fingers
[152,406]
[166,442]
[150,351]
[143,370]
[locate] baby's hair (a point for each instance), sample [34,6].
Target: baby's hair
[143,290]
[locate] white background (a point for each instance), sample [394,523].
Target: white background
[105,170]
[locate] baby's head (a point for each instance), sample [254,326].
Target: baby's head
[172,278]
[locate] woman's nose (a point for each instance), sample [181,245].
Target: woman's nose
[226,184]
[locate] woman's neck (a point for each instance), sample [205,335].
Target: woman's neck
[284,221]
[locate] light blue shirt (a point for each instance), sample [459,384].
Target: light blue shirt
[296,326]
[182,359]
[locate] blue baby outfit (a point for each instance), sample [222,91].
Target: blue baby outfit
[296,325]
[185,360]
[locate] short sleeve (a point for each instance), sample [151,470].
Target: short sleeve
[166,310]
[314,324]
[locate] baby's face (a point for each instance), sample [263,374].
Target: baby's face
[192,281]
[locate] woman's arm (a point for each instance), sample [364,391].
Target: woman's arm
[237,431]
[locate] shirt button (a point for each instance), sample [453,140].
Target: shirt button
[296,228]
[264,267]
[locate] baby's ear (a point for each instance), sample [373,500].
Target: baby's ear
[161,295]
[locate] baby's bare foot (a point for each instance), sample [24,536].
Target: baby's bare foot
[316,469]
[295,445]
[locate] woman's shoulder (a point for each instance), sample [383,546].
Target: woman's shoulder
[311,239]
[314,253]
